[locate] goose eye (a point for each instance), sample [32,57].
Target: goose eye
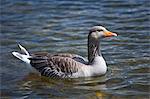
[99,30]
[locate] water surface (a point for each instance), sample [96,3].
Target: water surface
[62,26]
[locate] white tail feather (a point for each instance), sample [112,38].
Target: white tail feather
[23,57]
[23,50]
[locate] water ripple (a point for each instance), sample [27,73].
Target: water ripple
[62,26]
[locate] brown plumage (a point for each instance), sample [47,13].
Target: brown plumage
[61,65]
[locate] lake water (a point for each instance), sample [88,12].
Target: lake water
[62,26]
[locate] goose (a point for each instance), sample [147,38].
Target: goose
[66,65]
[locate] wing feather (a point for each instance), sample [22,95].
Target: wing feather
[55,66]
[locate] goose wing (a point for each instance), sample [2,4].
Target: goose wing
[55,65]
[76,57]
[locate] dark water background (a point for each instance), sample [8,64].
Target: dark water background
[62,26]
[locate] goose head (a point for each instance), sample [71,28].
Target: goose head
[97,32]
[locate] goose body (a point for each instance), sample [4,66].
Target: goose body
[66,65]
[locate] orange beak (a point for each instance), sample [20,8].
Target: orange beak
[109,34]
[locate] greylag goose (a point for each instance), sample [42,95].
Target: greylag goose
[65,65]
